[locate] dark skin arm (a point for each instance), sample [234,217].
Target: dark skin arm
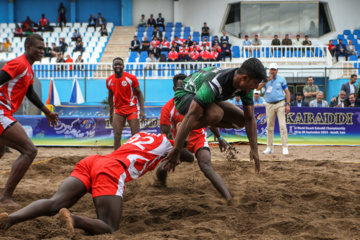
[111,105]
[141,102]
[165,129]
[222,143]
[251,132]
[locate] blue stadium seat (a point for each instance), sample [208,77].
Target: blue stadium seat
[245,54]
[169,25]
[178,24]
[347,32]
[288,54]
[257,54]
[140,36]
[335,41]
[134,54]
[186,35]
[196,39]
[236,49]
[141,29]
[132,59]
[319,52]
[165,53]
[358,53]
[267,53]
[177,33]
[196,34]
[144,54]
[340,36]
[309,53]
[168,36]
[353,58]
[168,30]
[177,29]
[345,41]
[187,29]
[161,29]
[277,53]
[298,53]
[351,37]
[236,54]
[356,32]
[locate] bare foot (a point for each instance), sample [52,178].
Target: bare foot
[8,202]
[159,183]
[4,217]
[65,220]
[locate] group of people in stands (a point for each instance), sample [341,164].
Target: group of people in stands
[341,49]
[151,22]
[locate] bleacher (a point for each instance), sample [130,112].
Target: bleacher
[94,44]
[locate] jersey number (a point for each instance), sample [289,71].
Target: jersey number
[133,140]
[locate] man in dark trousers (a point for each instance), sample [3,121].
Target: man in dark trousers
[341,51]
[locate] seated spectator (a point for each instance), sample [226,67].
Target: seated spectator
[352,101]
[256,42]
[55,50]
[79,46]
[69,60]
[349,87]
[151,59]
[165,45]
[175,45]
[225,39]
[100,20]
[6,45]
[217,48]
[307,42]
[103,31]
[145,45]
[226,51]
[341,51]
[275,41]
[79,60]
[331,47]
[92,21]
[216,40]
[44,23]
[151,21]
[299,102]
[154,49]
[340,101]
[184,55]
[205,30]
[179,41]
[160,22]
[18,32]
[197,47]
[142,22]
[189,42]
[319,102]
[63,45]
[28,23]
[75,35]
[258,101]
[173,55]
[156,41]
[62,18]
[214,55]
[48,51]
[351,48]
[29,30]
[205,43]
[157,33]
[246,43]
[237,101]
[135,44]
[297,42]
[194,55]
[60,59]
[286,41]
[204,55]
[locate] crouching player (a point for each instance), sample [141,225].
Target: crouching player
[104,177]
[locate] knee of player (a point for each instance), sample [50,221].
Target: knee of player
[205,165]
[31,152]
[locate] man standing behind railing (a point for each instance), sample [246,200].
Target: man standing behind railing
[256,42]
[310,90]
[286,42]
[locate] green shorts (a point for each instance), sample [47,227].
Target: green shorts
[183,100]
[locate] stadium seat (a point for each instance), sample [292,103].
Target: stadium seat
[169,24]
[178,25]
[347,32]
[132,59]
[277,53]
[187,29]
[245,54]
[353,58]
[257,54]
[335,41]
[288,54]
[186,35]
[109,25]
[298,53]
[356,32]
[319,52]
[341,36]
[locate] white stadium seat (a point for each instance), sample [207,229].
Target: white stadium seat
[97,34]
[98,49]
[92,44]
[77,25]
[109,25]
[53,60]
[45,60]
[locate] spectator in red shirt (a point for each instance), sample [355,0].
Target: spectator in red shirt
[173,55]
[18,32]
[44,23]
[28,23]
[331,47]
[206,42]
[197,47]
[179,41]
[217,48]
[194,55]
[165,45]
[204,55]
[184,55]
[156,41]
[69,60]
[214,55]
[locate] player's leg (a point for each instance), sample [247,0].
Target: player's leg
[203,156]
[15,137]
[2,150]
[134,124]
[69,192]
[109,213]
[118,125]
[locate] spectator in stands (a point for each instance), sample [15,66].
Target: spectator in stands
[69,60]
[351,48]
[225,39]
[341,50]
[55,50]
[28,23]
[79,60]
[44,24]
[218,49]
[331,47]
[160,22]
[258,101]
[156,41]
[319,102]
[60,59]
[175,45]
[352,101]
[339,101]
[306,42]
[205,31]
[157,33]
[154,49]
[7,45]
[165,45]
[237,101]
[197,47]
[299,102]
[275,41]
[29,30]
[205,43]
[297,42]
[151,59]
[75,35]
[189,42]
[62,12]
[92,21]
[103,31]
[100,20]
[135,44]
[142,22]
[151,21]
[18,32]
[79,46]
[226,52]
[310,90]
[247,42]
[194,55]
[179,41]
[173,55]
[349,87]
[204,55]
[216,40]
[256,42]
[48,51]
[286,41]
[145,45]
[214,55]
[184,55]
[63,45]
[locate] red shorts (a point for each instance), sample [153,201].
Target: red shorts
[101,175]
[128,112]
[197,141]
[6,120]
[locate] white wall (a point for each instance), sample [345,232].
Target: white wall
[165,7]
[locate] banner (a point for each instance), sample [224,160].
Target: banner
[305,126]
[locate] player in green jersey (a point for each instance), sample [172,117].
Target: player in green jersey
[202,99]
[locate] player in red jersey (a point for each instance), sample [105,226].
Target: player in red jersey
[124,92]
[104,177]
[16,81]
[197,142]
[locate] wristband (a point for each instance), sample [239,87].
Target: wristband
[220,138]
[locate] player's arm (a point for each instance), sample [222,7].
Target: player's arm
[52,117]
[222,142]
[288,99]
[141,102]
[251,132]
[111,104]
[4,77]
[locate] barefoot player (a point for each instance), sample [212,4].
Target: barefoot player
[16,81]
[124,92]
[104,177]
[197,142]
[202,100]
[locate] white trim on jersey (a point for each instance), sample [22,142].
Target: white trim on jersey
[5,121]
[132,91]
[121,185]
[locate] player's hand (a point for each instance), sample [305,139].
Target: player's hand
[142,115]
[254,156]
[223,144]
[53,119]
[171,160]
[287,109]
